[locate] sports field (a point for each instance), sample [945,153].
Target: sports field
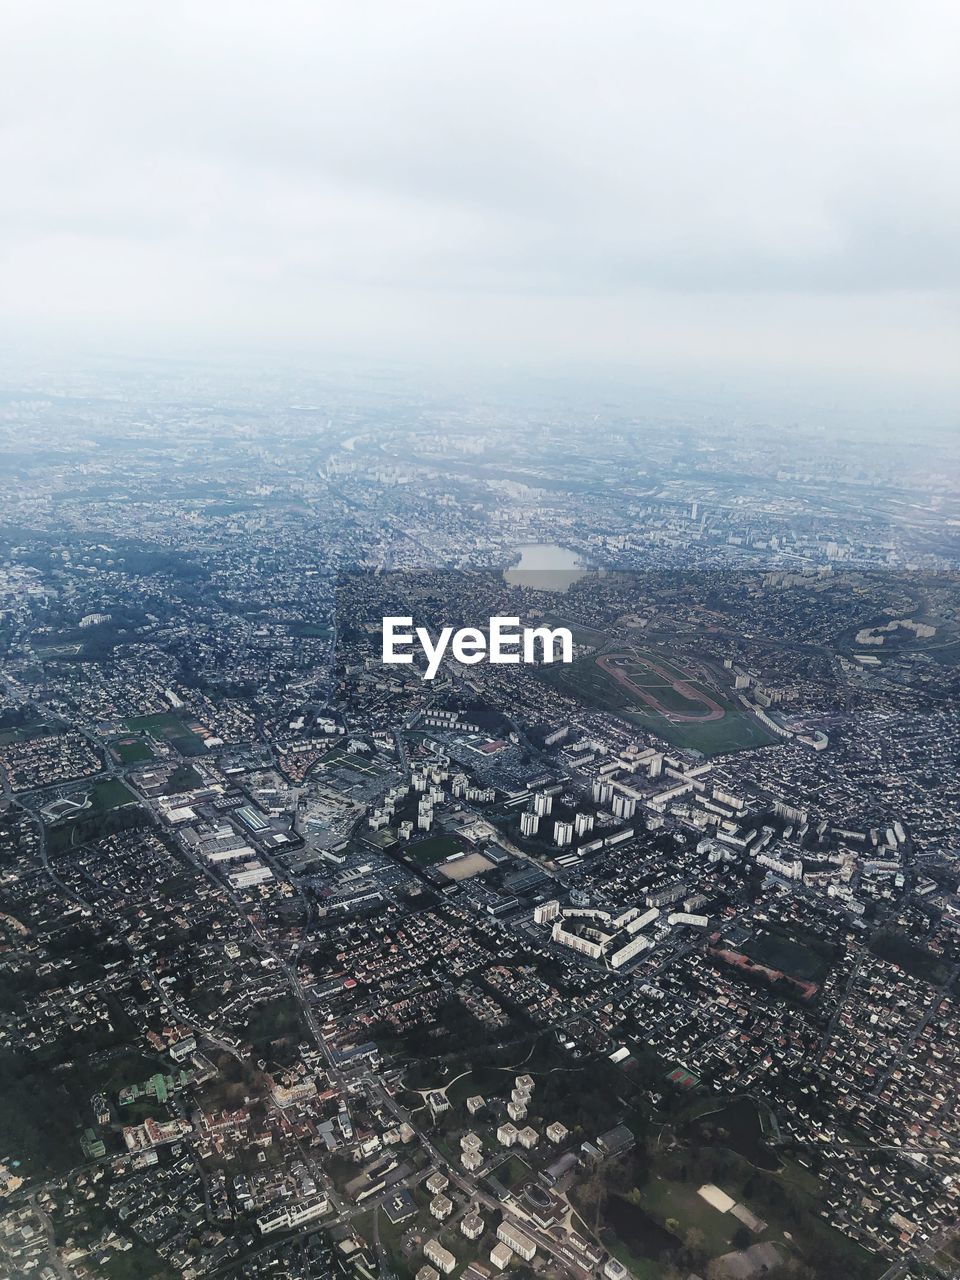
[661,687]
[166,727]
[654,691]
[434,849]
[471,864]
[130,750]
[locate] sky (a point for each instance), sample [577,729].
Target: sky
[684,186]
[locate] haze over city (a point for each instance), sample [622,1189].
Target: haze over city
[746,190]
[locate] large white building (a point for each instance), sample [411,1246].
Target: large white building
[252,874]
[441,1258]
[514,1239]
[600,936]
[547,912]
[562,833]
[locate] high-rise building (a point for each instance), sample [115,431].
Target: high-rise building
[623,806]
[542,803]
[602,792]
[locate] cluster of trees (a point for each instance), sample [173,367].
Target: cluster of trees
[95,826]
[909,956]
[453,1029]
[38,1118]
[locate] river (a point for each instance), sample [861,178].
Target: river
[543,566]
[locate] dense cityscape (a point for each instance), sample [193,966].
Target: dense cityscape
[641,965]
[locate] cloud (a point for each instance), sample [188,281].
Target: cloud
[752,181]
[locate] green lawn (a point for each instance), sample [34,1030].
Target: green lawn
[183,778]
[131,750]
[773,947]
[587,682]
[111,794]
[139,1263]
[167,727]
[679,1200]
[514,1173]
[639,1268]
[580,633]
[434,849]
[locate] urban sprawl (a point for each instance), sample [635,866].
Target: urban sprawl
[642,964]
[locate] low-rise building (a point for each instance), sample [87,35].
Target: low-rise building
[441,1207]
[472,1226]
[500,1255]
[514,1239]
[615,1270]
[440,1257]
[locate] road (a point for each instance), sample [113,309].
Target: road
[53,1253]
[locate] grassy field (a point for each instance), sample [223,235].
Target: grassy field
[738,1126]
[514,1173]
[183,778]
[111,794]
[23,733]
[680,1201]
[310,630]
[139,1263]
[588,682]
[434,849]
[131,750]
[167,727]
[581,634]
[794,958]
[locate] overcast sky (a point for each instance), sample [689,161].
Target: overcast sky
[676,184]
